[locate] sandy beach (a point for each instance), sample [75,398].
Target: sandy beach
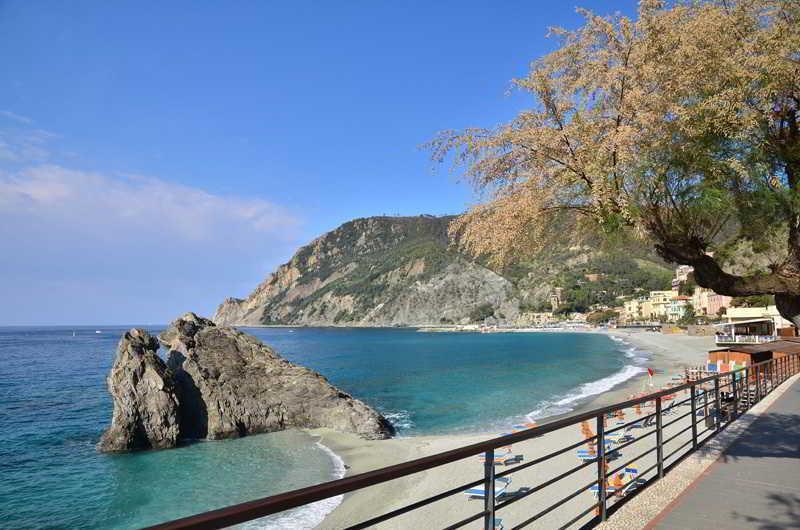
[668,355]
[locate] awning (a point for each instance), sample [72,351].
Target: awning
[753,321]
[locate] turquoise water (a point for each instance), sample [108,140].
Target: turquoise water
[54,406]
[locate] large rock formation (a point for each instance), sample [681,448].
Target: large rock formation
[405,271]
[220,383]
[379,271]
[146,409]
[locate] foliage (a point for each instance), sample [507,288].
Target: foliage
[601,317]
[688,317]
[679,127]
[481,312]
[618,276]
[762,300]
[687,288]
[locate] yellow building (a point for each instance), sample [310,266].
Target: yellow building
[659,303]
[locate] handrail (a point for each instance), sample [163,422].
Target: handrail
[247,511]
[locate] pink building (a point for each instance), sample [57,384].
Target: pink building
[709,303]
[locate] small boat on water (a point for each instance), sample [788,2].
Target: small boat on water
[97,331]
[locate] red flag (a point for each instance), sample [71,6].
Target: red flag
[650,372]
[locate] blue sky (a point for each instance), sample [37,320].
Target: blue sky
[157,157]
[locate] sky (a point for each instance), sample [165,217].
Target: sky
[157,157]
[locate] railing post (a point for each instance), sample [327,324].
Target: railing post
[488,489]
[757,372]
[747,387]
[734,391]
[693,391]
[659,439]
[717,404]
[601,467]
[771,365]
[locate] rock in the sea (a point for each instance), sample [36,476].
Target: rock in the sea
[146,407]
[219,383]
[230,384]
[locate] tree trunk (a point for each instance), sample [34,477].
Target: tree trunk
[789,307]
[784,284]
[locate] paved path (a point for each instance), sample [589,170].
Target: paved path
[755,484]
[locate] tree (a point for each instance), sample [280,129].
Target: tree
[688,317]
[601,317]
[481,312]
[687,288]
[680,127]
[753,301]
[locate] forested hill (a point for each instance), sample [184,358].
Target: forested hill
[402,271]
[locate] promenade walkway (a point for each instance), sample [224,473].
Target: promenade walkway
[755,484]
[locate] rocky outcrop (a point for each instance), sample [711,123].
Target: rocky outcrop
[219,382]
[378,271]
[146,408]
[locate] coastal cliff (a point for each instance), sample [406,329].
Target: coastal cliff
[217,383]
[405,271]
[378,271]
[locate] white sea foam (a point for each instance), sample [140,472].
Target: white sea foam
[568,402]
[400,419]
[309,516]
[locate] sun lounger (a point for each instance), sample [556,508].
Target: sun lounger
[479,492]
[620,437]
[504,459]
[610,490]
[632,480]
[643,424]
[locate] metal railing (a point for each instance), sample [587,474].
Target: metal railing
[718,399]
[745,339]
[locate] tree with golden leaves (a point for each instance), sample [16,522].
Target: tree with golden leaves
[679,126]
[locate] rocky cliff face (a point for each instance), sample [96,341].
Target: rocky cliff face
[219,383]
[146,408]
[233,385]
[379,271]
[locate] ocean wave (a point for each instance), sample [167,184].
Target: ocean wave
[568,402]
[309,516]
[400,419]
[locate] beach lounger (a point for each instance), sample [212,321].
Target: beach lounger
[620,437]
[504,459]
[610,490]
[643,424]
[671,409]
[632,480]
[479,492]
[589,455]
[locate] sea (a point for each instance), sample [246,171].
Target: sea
[54,406]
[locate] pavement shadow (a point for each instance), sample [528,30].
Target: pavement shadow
[786,513]
[772,435]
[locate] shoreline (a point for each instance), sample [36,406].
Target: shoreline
[666,354]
